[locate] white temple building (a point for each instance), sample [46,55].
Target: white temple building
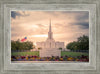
[50,47]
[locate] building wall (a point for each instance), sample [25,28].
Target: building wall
[59,44]
[51,44]
[49,52]
[40,44]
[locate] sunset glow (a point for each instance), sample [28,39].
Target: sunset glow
[40,36]
[67,26]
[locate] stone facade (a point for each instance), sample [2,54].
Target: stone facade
[49,52]
[51,44]
[50,47]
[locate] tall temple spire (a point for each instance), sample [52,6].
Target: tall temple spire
[50,26]
[50,32]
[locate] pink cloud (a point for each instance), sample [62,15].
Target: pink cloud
[37,23]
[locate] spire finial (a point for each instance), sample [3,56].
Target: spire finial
[50,32]
[50,26]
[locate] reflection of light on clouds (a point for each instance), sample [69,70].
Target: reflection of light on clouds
[36,25]
[34,43]
[39,35]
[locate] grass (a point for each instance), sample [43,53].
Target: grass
[26,53]
[73,53]
[62,53]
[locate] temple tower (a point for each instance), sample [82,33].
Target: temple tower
[50,47]
[50,33]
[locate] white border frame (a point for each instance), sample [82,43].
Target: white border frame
[51,66]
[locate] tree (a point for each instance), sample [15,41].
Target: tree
[69,46]
[20,46]
[82,43]
[13,45]
[72,46]
[60,49]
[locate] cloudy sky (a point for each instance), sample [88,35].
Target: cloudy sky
[67,26]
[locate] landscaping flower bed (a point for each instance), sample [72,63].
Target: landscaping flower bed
[81,58]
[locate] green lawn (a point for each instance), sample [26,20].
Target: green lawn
[26,53]
[62,53]
[73,53]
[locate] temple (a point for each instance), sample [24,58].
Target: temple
[50,47]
